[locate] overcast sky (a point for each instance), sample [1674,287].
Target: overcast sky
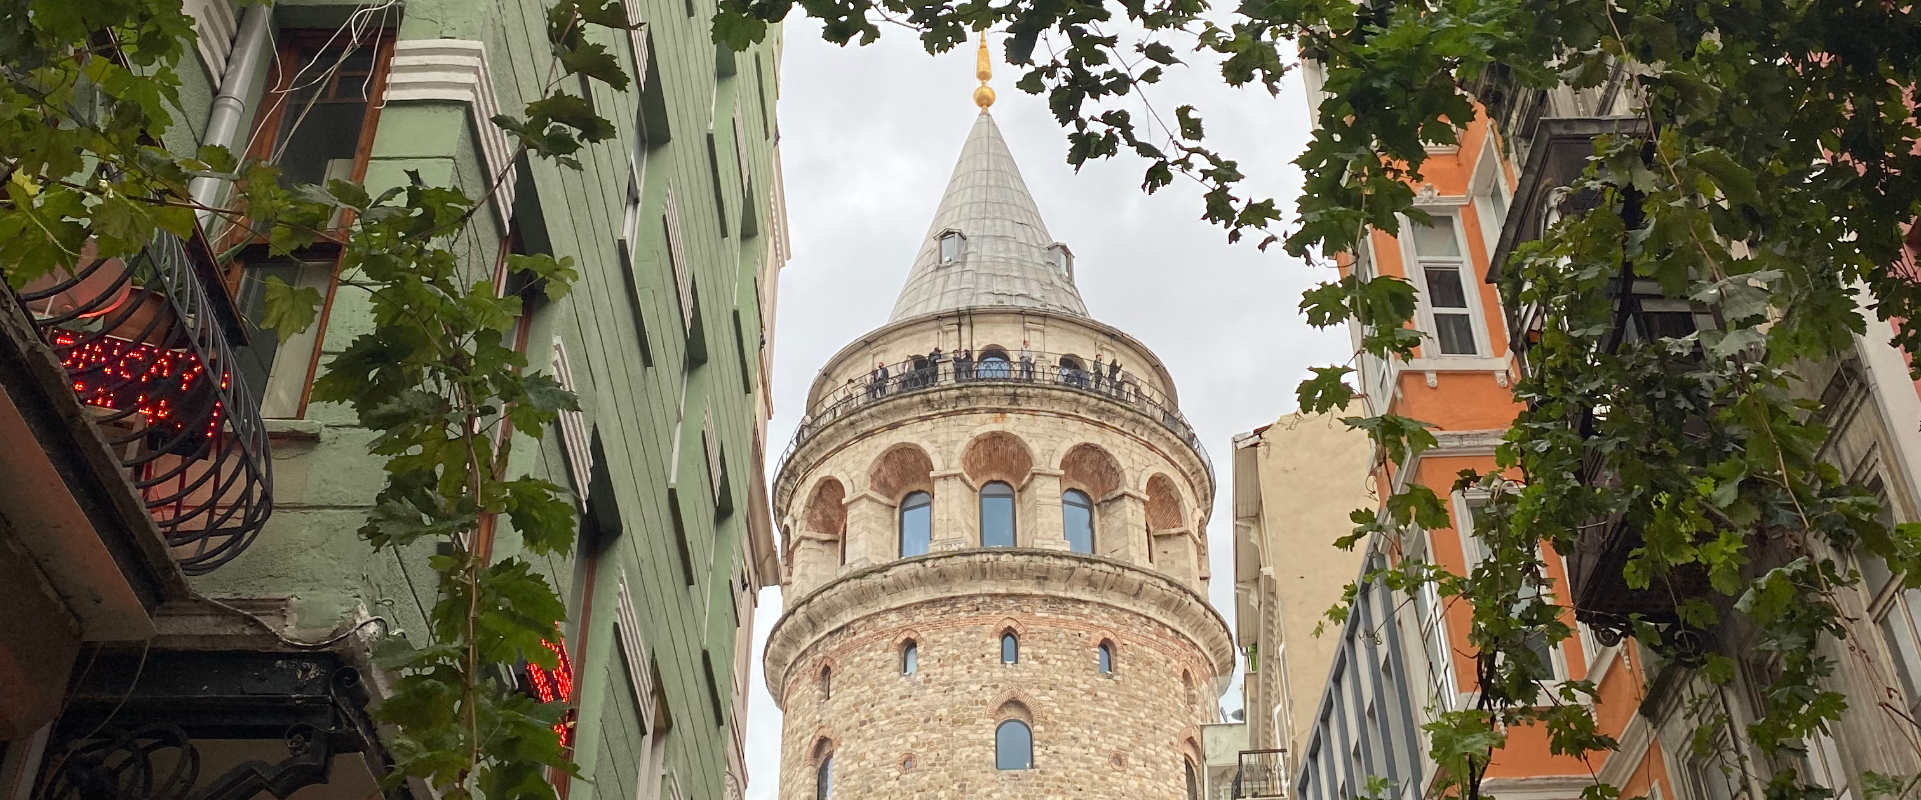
[869,136]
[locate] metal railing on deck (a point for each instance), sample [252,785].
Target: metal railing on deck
[144,346]
[1262,774]
[1042,369]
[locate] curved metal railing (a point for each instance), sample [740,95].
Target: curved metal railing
[1045,369]
[142,344]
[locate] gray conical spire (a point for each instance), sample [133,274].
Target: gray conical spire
[1005,259]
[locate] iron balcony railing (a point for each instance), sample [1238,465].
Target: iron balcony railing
[1262,774]
[144,347]
[1040,369]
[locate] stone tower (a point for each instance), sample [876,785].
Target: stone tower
[995,566]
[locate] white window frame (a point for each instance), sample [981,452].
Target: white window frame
[940,245]
[1473,554]
[1489,182]
[1443,689]
[1446,210]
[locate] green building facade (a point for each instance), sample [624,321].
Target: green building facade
[676,226]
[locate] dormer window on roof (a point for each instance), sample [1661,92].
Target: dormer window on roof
[1062,258]
[952,245]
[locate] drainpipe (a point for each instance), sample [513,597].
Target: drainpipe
[249,47]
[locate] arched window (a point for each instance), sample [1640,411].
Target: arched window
[994,365]
[1010,648]
[952,245]
[909,658]
[916,524]
[826,683]
[1013,745]
[1073,372]
[997,515]
[1077,517]
[824,778]
[1193,782]
[1107,658]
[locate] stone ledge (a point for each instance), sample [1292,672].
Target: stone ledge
[997,571]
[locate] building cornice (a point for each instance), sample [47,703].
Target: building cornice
[998,571]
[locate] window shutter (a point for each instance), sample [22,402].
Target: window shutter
[710,441]
[677,256]
[640,673]
[573,430]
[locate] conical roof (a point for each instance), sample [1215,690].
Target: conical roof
[1005,258]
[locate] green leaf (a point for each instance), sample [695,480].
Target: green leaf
[290,310]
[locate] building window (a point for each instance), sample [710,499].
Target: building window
[1010,648]
[952,246]
[1193,781]
[826,683]
[1013,746]
[1441,267]
[1061,259]
[1106,655]
[824,779]
[909,658]
[1077,517]
[1471,516]
[916,524]
[997,515]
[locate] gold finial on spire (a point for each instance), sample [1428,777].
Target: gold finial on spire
[984,70]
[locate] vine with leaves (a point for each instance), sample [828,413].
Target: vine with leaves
[87,92]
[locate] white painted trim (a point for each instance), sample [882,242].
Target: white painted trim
[1542,787]
[1449,209]
[213,28]
[456,70]
[1898,397]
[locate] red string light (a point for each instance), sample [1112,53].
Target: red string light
[556,685]
[119,374]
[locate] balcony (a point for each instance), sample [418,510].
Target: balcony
[1046,369]
[146,346]
[1262,774]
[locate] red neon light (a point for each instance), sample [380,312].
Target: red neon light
[556,684]
[119,374]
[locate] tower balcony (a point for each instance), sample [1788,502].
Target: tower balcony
[1047,371]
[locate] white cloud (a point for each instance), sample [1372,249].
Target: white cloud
[869,136]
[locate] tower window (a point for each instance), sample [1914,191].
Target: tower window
[916,524]
[952,245]
[1193,782]
[997,515]
[1061,258]
[1013,745]
[824,779]
[909,658]
[1010,648]
[1077,517]
[1106,655]
[826,683]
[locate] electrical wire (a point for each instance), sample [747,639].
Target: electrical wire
[290,642]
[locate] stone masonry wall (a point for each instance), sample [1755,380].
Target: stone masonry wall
[930,735]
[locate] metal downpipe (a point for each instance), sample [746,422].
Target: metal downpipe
[250,46]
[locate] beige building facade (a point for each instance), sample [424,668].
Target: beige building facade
[1296,482]
[993,535]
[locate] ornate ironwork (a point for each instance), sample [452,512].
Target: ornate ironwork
[1261,774]
[152,762]
[144,343]
[1053,370]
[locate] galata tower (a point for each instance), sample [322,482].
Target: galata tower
[993,520]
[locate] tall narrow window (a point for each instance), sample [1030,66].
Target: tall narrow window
[826,683]
[824,779]
[997,515]
[1013,745]
[1437,250]
[1193,782]
[916,524]
[1106,655]
[1010,648]
[909,658]
[1077,517]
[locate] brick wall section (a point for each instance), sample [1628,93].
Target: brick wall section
[944,716]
